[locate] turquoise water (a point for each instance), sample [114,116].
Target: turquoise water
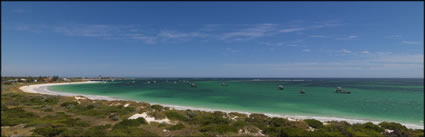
[397,100]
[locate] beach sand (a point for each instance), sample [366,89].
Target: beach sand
[42,89]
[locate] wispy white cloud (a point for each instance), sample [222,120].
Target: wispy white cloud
[152,35]
[344,51]
[365,52]
[292,30]
[394,36]
[309,27]
[352,36]
[410,42]
[293,43]
[144,38]
[28,27]
[22,28]
[97,30]
[307,50]
[319,36]
[274,44]
[349,37]
[249,33]
[105,32]
[177,35]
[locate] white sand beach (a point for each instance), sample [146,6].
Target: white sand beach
[42,89]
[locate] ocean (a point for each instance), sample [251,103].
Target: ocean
[394,100]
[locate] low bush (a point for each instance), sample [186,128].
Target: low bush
[392,126]
[130,123]
[15,116]
[176,127]
[218,128]
[157,115]
[174,115]
[49,131]
[314,123]
[259,120]
[69,105]
[97,131]
[157,107]
[130,131]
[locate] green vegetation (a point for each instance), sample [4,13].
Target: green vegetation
[174,115]
[314,123]
[101,111]
[157,107]
[176,127]
[28,114]
[15,116]
[129,128]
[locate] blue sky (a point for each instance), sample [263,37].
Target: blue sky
[213,39]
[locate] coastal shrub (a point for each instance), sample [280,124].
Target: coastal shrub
[371,126]
[157,115]
[91,106]
[99,111]
[159,124]
[15,116]
[278,122]
[218,128]
[46,108]
[73,132]
[337,126]
[75,122]
[239,124]
[219,114]
[314,123]
[174,115]
[3,107]
[97,131]
[208,118]
[49,131]
[398,129]
[238,115]
[191,114]
[292,132]
[416,133]
[157,107]
[358,130]
[297,124]
[130,131]
[333,134]
[272,131]
[176,127]
[392,126]
[16,99]
[258,120]
[69,105]
[130,123]
[128,127]
[43,100]
[60,119]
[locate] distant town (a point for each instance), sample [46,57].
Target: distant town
[45,79]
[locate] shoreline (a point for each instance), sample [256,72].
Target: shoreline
[42,89]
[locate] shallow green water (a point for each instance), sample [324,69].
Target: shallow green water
[398,100]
